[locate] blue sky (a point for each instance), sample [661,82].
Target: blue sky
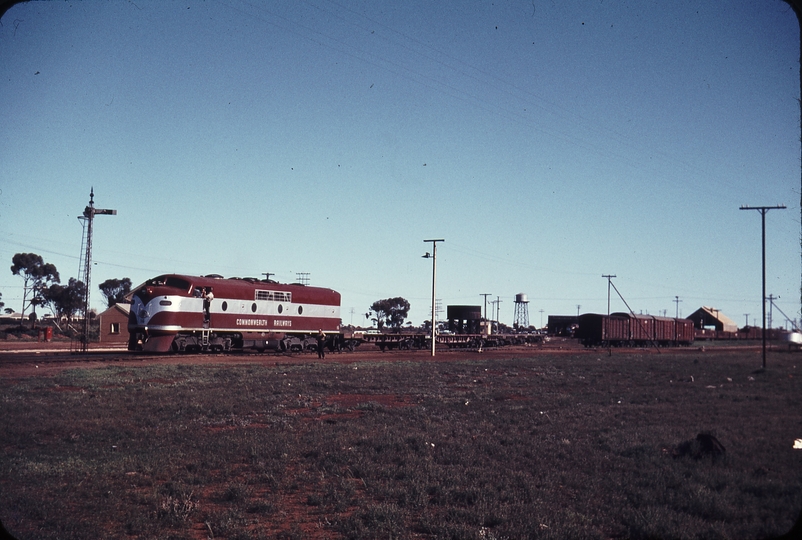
[548,143]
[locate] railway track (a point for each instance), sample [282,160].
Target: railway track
[23,363]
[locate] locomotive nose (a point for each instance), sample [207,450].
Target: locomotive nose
[140,310]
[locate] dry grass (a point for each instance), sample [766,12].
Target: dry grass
[572,446]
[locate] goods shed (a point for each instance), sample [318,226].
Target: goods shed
[707,317]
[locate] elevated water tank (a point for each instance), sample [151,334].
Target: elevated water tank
[521,298]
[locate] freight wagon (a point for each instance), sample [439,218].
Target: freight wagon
[628,330]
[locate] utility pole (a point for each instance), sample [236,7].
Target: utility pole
[267,275]
[541,319]
[88,217]
[485,295]
[577,309]
[771,298]
[747,318]
[763,210]
[498,309]
[609,277]
[433,256]
[676,316]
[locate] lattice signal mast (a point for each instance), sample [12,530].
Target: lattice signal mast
[521,311]
[85,274]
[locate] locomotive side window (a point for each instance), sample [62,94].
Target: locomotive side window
[253,307]
[280,308]
[300,310]
[276,296]
[224,306]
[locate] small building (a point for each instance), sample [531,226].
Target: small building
[562,325]
[113,325]
[464,319]
[11,318]
[707,317]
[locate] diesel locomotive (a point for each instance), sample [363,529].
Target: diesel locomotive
[177,313]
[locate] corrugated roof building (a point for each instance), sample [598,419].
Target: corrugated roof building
[707,316]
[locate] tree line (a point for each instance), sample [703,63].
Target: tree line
[41,287]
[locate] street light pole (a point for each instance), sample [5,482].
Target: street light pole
[433,256]
[763,210]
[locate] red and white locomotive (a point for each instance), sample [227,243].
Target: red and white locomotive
[186,313]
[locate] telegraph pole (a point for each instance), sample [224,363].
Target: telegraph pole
[677,301]
[433,256]
[88,217]
[763,210]
[771,299]
[609,277]
[485,295]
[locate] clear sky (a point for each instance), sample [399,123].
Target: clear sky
[547,142]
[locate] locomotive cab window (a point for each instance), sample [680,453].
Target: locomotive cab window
[177,283]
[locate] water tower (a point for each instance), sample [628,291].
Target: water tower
[521,311]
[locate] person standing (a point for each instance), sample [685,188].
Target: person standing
[207,304]
[321,344]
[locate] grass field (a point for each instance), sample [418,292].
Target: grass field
[546,446]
